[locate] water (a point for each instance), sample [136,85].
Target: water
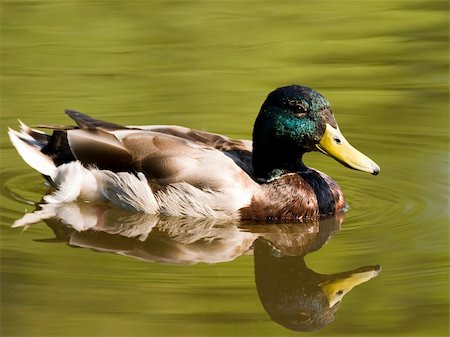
[383,65]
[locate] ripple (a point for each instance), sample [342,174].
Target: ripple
[410,189]
[24,186]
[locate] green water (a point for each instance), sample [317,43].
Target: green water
[383,65]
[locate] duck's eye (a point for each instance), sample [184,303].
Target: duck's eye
[337,140]
[297,108]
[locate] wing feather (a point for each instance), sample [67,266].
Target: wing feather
[99,148]
[162,157]
[87,122]
[213,140]
[240,151]
[167,159]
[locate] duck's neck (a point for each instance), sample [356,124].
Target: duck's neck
[272,160]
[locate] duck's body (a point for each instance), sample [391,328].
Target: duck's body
[178,171]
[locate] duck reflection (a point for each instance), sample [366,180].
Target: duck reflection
[293,295]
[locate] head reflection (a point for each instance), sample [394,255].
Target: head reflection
[293,295]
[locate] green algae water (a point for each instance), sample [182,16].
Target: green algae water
[383,65]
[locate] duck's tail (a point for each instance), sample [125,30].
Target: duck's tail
[30,143]
[73,181]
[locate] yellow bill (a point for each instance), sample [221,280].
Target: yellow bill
[335,145]
[336,289]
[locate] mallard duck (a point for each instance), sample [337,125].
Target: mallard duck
[177,171]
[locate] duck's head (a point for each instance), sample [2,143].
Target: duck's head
[296,119]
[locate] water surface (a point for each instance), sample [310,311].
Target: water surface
[383,65]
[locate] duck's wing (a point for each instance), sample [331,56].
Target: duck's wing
[240,151]
[213,140]
[98,137]
[165,154]
[163,158]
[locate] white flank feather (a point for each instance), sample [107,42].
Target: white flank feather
[182,199]
[75,182]
[128,191]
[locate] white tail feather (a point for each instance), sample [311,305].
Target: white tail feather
[31,154]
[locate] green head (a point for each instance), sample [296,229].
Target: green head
[296,119]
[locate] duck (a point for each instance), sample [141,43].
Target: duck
[178,171]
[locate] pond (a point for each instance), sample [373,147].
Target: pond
[383,65]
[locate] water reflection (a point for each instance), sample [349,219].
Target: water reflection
[293,295]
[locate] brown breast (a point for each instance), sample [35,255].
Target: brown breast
[298,196]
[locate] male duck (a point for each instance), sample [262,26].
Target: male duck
[176,171]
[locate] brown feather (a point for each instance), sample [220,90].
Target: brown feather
[285,198]
[99,148]
[214,140]
[238,150]
[295,197]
